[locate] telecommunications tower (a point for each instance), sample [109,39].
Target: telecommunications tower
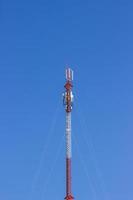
[68,103]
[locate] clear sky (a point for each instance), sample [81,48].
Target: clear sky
[38,39]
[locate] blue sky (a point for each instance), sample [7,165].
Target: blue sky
[38,39]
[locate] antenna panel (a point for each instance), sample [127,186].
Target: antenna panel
[69,74]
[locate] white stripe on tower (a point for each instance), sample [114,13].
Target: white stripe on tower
[68,136]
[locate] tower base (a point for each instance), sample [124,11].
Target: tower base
[70,197]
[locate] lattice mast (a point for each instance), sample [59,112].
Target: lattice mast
[68,103]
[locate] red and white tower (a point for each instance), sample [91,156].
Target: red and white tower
[68,102]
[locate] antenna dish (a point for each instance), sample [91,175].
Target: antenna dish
[69,74]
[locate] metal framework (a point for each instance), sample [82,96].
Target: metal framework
[68,103]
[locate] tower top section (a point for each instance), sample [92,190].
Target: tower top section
[68,95]
[69,74]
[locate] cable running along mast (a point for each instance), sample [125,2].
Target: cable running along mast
[68,103]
